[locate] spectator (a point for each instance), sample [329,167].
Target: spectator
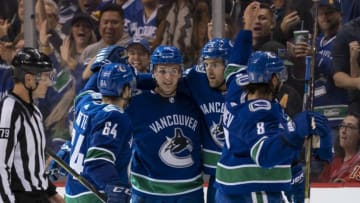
[138,51]
[10,29]
[297,16]
[144,25]
[59,98]
[131,9]
[344,54]
[47,11]
[262,30]
[350,10]
[329,100]
[346,164]
[183,24]
[111,32]
[69,9]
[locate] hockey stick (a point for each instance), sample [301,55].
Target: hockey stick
[309,100]
[72,172]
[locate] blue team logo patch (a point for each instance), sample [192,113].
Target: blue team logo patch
[259,105]
[176,151]
[4,133]
[242,79]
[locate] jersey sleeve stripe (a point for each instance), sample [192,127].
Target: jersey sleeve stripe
[100,153]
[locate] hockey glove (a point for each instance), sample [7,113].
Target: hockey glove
[117,194]
[323,130]
[55,170]
[113,53]
[298,130]
[296,192]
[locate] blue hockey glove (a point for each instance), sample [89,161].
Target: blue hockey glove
[113,53]
[55,170]
[323,130]
[296,192]
[300,129]
[117,194]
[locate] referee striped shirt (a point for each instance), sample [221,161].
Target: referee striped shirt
[22,148]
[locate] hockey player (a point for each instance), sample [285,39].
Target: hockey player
[102,137]
[166,164]
[205,83]
[260,141]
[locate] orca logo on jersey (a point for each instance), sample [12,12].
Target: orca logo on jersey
[175,151]
[217,133]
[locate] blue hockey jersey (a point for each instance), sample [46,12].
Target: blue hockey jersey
[330,100]
[131,8]
[101,147]
[166,146]
[253,131]
[211,102]
[142,27]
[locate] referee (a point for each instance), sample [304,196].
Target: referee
[22,138]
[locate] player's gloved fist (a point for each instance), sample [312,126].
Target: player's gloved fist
[55,170]
[113,53]
[323,130]
[117,194]
[298,130]
[97,64]
[303,125]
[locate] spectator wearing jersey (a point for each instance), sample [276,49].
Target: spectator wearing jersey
[145,23]
[346,165]
[345,53]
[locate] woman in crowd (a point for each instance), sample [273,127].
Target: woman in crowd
[346,165]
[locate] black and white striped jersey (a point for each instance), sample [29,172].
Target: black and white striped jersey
[22,148]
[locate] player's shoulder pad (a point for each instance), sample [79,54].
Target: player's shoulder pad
[112,108]
[95,96]
[259,104]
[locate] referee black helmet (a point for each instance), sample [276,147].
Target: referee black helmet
[31,60]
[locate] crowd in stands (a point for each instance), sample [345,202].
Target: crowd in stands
[71,32]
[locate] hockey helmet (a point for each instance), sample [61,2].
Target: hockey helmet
[262,65]
[31,60]
[113,77]
[165,55]
[217,48]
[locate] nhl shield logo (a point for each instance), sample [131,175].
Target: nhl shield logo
[176,151]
